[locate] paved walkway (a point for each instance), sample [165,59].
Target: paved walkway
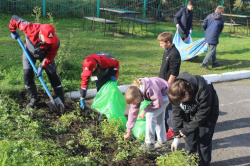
[231,141]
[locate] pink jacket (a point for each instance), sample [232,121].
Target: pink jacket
[154,89]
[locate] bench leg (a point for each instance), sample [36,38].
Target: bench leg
[141,30]
[155,29]
[83,23]
[147,29]
[128,25]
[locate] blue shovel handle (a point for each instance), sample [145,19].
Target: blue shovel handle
[34,67]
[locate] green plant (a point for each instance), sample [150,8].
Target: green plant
[38,12]
[87,139]
[110,128]
[180,158]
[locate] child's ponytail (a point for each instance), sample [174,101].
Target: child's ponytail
[137,82]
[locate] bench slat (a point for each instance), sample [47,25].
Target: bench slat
[232,24]
[138,20]
[102,20]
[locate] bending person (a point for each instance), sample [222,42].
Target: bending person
[195,113]
[103,66]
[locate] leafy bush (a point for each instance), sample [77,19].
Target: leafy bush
[178,158]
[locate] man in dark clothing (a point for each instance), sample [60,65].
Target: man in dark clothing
[42,44]
[170,68]
[213,26]
[184,20]
[195,113]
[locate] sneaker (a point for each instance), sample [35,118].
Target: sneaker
[204,66]
[160,145]
[147,146]
[170,134]
[216,65]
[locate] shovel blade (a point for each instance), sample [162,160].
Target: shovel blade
[57,106]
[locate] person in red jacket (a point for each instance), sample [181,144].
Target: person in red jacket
[42,44]
[103,66]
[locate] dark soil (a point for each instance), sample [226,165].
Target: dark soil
[47,117]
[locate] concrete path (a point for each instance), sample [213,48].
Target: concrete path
[231,141]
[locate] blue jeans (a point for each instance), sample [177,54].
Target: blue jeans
[169,116]
[211,54]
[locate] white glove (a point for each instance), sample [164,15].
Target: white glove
[190,31]
[175,144]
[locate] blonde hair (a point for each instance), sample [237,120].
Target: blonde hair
[165,37]
[219,9]
[132,93]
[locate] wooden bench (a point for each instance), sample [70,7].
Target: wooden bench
[232,25]
[140,21]
[101,20]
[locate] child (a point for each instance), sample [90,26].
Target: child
[103,66]
[184,20]
[170,68]
[195,111]
[152,89]
[213,26]
[42,44]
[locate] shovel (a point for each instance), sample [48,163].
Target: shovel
[56,104]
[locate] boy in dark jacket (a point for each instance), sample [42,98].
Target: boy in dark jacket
[184,20]
[42,44]
[170,68]
[195,113]
[213,26]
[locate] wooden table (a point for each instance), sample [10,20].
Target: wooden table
[239,16]
[120,11]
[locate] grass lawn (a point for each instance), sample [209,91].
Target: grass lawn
[139,56]
[38,137]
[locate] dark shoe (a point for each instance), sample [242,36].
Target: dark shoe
[214,65]
[59,93]
[32,103]
[204,66]
[33,96]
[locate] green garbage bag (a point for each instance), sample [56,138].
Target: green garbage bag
[139,128]
[110,101]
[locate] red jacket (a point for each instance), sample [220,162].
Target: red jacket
[105,60]
[31,31]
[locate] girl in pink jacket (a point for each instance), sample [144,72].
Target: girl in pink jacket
[152,89]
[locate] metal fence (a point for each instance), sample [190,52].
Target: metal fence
[152,9]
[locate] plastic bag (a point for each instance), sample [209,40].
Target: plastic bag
[189,49]
[110,101]
[139,128]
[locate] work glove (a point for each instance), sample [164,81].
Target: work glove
[82,103]
[175,144]
[112,78]
[190,32]
[40,71]
[14,35]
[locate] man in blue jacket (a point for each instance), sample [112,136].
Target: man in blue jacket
[184,20]
[213,26]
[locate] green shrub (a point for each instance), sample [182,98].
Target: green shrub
[177,158]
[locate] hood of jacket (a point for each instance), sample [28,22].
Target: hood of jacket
[191,79]
[216,16]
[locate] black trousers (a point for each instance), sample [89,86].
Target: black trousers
[201,142]
[184,36]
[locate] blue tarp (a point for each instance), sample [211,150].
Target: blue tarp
[189,49]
